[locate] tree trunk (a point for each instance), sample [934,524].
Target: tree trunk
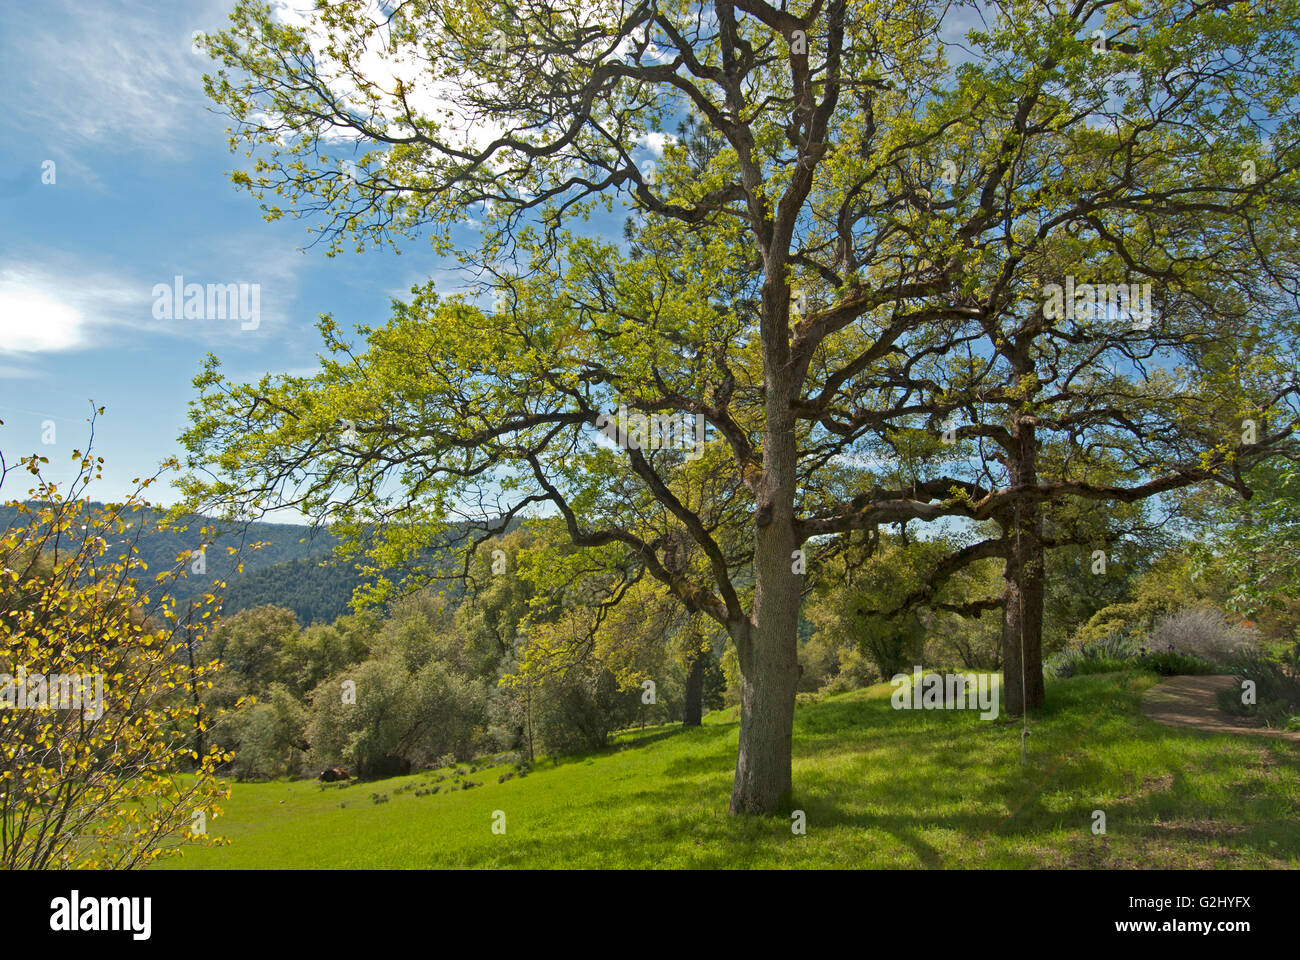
[1022,608]
[768,645]
[693,712]
[767,690]
[528,720]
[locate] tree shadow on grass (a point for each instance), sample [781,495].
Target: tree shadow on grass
[927,780]
[698,734]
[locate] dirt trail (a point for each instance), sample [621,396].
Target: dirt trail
[1192,702]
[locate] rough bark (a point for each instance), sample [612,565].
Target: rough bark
[769,676]
[1022,607]
[769,661]
[693,711]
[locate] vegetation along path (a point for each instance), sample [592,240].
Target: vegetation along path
[1192,702]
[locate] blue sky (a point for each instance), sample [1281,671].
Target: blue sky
[111,94]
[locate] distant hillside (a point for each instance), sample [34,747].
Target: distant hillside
[286,571]
[315,593]
[160,548]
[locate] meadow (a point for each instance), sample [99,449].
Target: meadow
[879,788]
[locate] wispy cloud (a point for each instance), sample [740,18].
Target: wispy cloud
[20,373]
[62,302]
[106,75]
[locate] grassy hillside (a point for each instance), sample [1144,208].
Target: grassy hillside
[880,788]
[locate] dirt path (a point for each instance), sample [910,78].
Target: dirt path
[1192,702]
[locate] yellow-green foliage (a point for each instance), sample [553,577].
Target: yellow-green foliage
[1169,585]
[98,786]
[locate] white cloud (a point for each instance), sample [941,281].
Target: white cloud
[32,321]
[120,75]
[61,302]
[655,142]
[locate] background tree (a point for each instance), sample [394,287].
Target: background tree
[1256,542]
[1044,400]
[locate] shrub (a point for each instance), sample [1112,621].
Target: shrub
[1106,654]
[400,720]
[1085,667]
[855,670]
[1203,631]
[1115,652]
[91,783]
[576,714]
[1170,663]
[267,737]
[819,662]
[1131,619]
[1277,690]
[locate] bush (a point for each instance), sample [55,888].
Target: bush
[1115,652]
[575,714]
[819,662]
[1170,663]
[400,720]
[1085,667]
[267,737]
[1277,690]
[1131,619]
[856,670]
[1106,654]
[1204,632]
[88,770]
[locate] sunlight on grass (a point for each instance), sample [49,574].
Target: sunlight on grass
[880,788]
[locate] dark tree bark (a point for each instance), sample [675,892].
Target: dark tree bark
[1022,606]
[693,712]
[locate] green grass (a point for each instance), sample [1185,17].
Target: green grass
[880,788]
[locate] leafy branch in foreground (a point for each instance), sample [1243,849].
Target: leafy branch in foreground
[97,701]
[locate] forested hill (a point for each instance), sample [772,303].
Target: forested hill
[288,570]
[316,592]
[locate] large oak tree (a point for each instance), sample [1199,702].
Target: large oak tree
[847,208]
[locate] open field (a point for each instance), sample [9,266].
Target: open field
[879,787]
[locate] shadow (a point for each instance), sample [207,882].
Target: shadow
[929,789]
